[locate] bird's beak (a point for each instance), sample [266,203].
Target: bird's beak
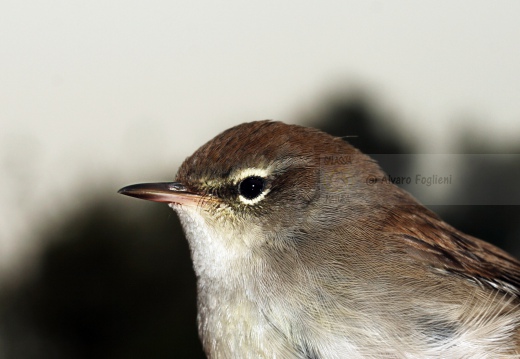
[167,192]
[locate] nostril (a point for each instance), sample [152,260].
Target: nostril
[176,186]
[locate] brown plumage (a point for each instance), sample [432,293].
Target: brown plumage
[298,257]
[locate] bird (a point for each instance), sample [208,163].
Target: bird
[302,250]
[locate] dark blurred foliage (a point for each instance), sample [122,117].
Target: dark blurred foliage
[115,280]
[357,121]
[486,180]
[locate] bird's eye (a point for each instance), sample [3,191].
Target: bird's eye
[251,187]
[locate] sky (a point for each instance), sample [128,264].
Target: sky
[96,95]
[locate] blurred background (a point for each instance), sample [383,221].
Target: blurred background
[98,95]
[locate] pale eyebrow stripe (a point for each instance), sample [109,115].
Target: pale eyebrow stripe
[249,172]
